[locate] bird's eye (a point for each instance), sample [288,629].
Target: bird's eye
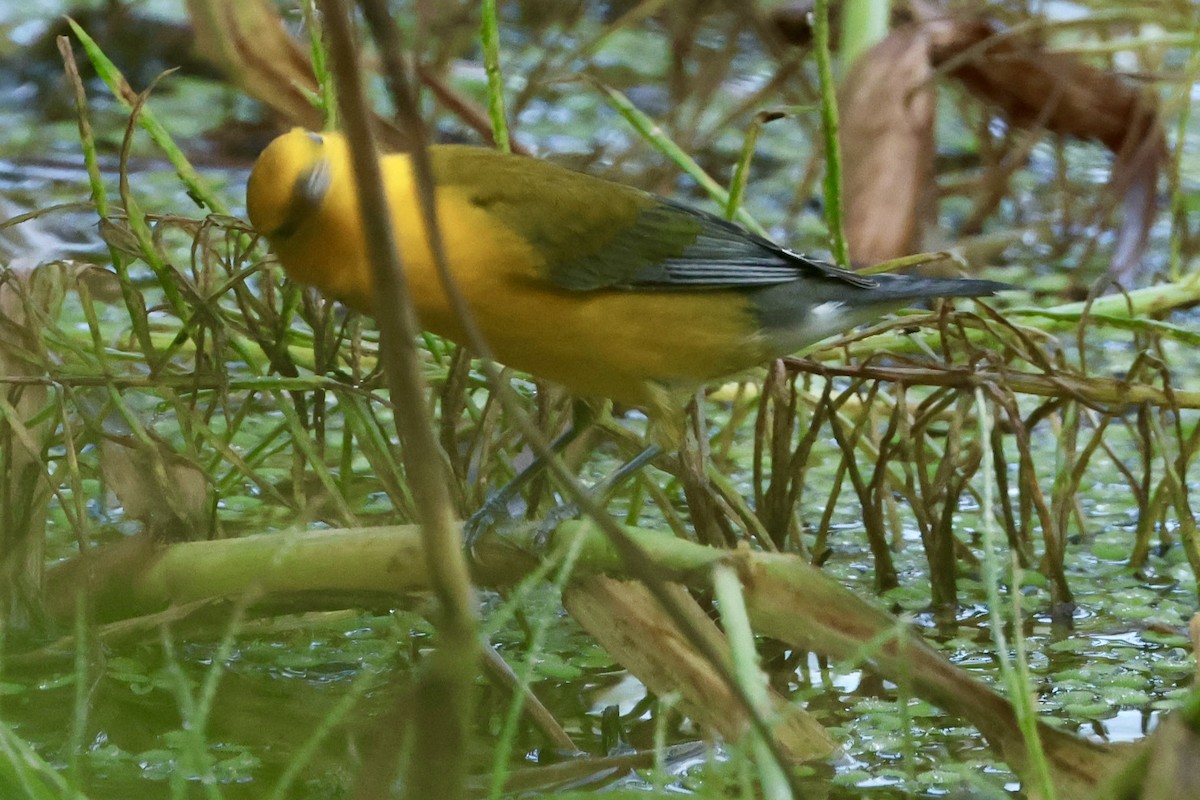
[313,183]
[307,193]
[315,137]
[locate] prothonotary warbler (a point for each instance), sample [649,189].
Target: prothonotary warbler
[605,289]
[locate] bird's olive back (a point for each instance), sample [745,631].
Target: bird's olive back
[591,233]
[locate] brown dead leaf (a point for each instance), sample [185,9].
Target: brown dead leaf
[170,495]
[1039,89]
[886,104]
[30,295]
[247,41]
[1194,635]
[887,108]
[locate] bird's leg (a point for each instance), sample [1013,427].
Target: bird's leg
[495,507]
[586,417]
[603,490]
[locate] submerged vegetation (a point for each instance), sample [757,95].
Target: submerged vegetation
[956,547]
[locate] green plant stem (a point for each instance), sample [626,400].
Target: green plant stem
[1015,677]
[26,775]
[489,34]
[533,654]
[741,171]
[133,300]
[1179,213]
[864,22]
[326,98]
[727,589]
[830,125]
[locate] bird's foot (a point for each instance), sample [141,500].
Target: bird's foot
[493,513]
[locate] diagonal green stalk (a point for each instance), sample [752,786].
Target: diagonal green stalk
[652,133]
[197,187]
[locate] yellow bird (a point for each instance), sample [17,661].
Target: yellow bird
[605,289]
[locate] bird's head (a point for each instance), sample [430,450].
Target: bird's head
[288,183]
